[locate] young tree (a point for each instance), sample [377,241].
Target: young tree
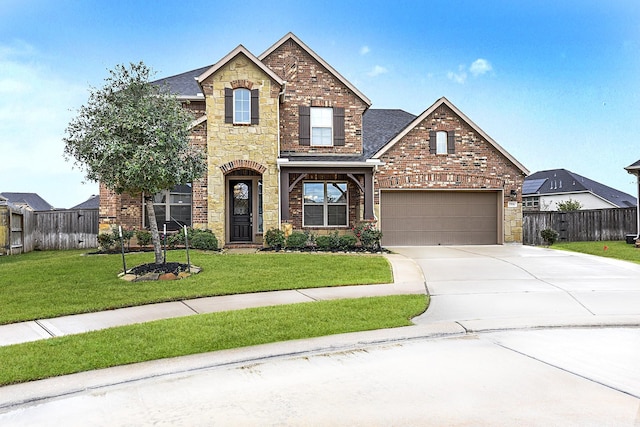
[133,137]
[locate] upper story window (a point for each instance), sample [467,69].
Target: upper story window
[442,142]
[241,106]
[321,126]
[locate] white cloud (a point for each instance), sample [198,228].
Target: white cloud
[364,50]
[480,66]
[458,77]
[377,70]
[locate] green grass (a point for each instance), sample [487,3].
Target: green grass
[202,333]
[40,285]
[614,249]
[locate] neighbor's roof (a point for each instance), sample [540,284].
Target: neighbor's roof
[32,200]
[634,168]
[460,114]
[559,181]
[92,202]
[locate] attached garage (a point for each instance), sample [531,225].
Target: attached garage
[428,217]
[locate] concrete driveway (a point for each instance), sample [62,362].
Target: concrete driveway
[497,287]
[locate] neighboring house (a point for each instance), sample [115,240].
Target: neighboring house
[543,191]
[290,141]
[31,201]
[92,202]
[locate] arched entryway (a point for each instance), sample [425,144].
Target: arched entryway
[244,206]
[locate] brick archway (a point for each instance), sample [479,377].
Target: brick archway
[242,164]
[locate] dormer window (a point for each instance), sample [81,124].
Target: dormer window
[241,106]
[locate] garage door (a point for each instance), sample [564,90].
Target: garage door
[413,218]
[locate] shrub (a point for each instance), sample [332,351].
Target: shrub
[549,236]
[274,238]
[569,205]
[175,239]
[368,235]
[323,243]
[143,237]
[348,242]
[297,240]
[203,239]
[105,241]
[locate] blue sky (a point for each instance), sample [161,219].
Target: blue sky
[556,83]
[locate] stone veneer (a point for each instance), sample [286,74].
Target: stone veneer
[253,147]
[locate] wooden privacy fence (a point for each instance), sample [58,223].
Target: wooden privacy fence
[578,226]
[22,230]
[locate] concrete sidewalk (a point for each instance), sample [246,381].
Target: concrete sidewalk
[408,279]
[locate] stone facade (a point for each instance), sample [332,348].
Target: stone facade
[232,147]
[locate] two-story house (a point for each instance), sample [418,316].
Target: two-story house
[291,143]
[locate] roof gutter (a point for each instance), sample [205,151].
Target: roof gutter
[369,163]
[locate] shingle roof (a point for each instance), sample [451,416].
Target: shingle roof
[92,202]
[379,126]
[32,200]
[184,84]
[559,181]
[634,168]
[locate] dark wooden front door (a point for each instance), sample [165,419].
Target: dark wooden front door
[241,213]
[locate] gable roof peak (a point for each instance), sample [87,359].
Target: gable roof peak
[235,52]
[443,100]
[325,64]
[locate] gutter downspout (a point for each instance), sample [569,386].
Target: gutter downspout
[280,98]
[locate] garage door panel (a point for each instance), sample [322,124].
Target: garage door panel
[439,217]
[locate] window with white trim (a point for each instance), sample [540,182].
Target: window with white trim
[241,106]
[321,126]
[441,142]
[325,204]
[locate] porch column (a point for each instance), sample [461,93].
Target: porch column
[368,195]
[284,195]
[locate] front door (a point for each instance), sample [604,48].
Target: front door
[241,213]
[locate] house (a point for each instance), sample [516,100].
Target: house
[92,202]
[543,190]
[31,201]
[292,144]
[634,169]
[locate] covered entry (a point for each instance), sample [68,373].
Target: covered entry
[415,217]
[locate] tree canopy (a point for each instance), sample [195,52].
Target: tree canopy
[133,137]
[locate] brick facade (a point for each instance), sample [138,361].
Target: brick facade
[309,83]
[476,164]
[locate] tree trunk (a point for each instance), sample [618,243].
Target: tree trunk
[153,227]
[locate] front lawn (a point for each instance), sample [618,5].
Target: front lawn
[203,333]
[48,284]
[610,249]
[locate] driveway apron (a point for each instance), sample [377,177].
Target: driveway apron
[470,283]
